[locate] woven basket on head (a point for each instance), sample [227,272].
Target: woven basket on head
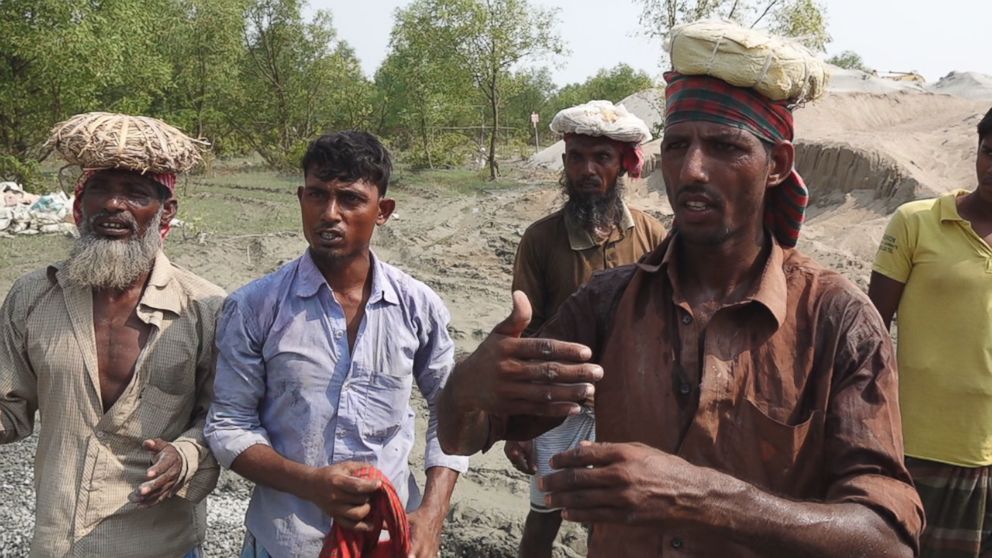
[100,140]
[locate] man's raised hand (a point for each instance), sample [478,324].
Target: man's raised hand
[508,375]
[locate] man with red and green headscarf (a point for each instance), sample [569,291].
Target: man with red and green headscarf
[745,396]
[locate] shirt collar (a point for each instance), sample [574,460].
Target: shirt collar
[162,292]
[309,280]
[579,238]
[949,206]
[771,290]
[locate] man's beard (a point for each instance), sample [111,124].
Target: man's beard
[595,212]
[103,263]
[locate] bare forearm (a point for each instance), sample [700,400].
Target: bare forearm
[774,526]
[263,465]
[437,494]
[460,431]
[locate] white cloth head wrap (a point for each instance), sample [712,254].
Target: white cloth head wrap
[601,118]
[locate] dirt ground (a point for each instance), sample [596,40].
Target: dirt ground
[862,155]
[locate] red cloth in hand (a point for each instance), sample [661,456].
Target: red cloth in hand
[387,512]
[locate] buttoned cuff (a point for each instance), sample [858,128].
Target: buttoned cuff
[228,446]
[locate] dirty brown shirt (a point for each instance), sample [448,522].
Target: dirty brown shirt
[557,255]
[792,389]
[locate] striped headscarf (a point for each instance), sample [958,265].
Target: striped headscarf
[708,99]
[168,180]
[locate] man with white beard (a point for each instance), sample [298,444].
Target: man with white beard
[114,347]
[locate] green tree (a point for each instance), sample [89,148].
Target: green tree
[804,20]
[528,91]
[611,84]
[426,101]
[58,58]
[205,51]
[496,36]
[849,60]
[489,40]
[297,79]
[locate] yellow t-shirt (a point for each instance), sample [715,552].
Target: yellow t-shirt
[945,331]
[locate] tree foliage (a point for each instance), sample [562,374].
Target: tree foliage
[244,73]
[804,20]
[488,40]
[57,58]
[297,80]
[849,60]
[461,76]
[425,95]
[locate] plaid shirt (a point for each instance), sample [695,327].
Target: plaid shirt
[88,462]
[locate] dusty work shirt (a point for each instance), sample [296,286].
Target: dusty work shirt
[88,461]
[792,390]
[287,379]
[557,255]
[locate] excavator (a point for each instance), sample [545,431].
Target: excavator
[912,76]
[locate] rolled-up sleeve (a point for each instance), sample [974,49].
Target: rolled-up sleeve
[864,431]
[233,423]
[431,366]
[200,471]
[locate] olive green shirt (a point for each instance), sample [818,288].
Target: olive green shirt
[558,255]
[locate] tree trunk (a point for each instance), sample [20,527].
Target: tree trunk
[494,105]
[426,139]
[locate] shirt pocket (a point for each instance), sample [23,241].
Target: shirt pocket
[172,364]
[385,404]
[161,414]
[784,458]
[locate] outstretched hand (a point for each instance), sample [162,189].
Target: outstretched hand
[508,375]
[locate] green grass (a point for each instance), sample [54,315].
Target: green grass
[238,199]
[235,203]
[235,200]
[458,181]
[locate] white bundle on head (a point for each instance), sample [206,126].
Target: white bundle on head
[778,68]
[601,119]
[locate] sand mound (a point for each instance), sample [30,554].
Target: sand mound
[856,81]
[969,85]
[902,146]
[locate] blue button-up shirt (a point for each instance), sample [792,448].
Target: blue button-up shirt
[286,378]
